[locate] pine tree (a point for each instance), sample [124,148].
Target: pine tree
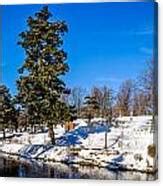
[104,98]
[91,107]
[22,119]
[40,85]
[7,111]
[72,112]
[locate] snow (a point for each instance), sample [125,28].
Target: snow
[127,144]
[135,121]
[80,123]
[8,135]
[12,148]
[98,120]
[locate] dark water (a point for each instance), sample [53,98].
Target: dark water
[11,167]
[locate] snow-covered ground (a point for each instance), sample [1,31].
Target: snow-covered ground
[127,144]
[8,135]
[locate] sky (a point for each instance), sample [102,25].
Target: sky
[106,44]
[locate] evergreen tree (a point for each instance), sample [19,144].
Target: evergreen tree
[104,98]
[22,119]
[7,111]
[91,107]
[72,112]
[40,85]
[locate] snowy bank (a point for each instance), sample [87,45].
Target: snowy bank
[127,147]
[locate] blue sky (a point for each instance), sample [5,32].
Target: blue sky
[106,43]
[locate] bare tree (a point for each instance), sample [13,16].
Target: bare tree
[124,98]
[139,106]
[76,98]
[148,88]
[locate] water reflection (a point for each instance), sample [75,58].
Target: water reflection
[10,167]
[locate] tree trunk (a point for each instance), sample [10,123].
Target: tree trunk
[4,134]
[33,129]
[16,127]
[51,135]
[25,129]
[106,133]
[106,136]
[20,130]
[89,119]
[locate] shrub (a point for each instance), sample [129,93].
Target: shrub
[152,150]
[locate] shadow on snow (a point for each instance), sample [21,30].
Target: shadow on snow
[74,137]
[69,138]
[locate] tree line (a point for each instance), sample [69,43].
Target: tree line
[44,99]
[134,97]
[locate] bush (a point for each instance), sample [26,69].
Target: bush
[152,150]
